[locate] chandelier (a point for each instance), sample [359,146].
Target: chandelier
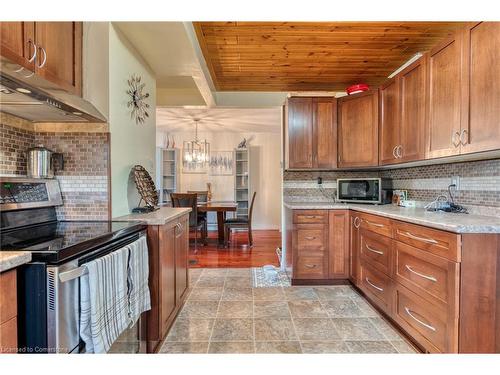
[196,153]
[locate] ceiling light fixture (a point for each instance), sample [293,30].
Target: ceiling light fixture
[196,152]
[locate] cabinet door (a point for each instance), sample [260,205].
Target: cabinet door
[358,130]
[300,133]
[338,256]
[444,99]
[482,51]
[354,246]
[166,285]
[389,121]
[60,48]
[412,109]
[181,259]
[324,133]
[17,43]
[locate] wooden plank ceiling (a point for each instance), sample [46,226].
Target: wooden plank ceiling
[303,56]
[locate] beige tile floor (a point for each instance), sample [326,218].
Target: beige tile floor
[225,314]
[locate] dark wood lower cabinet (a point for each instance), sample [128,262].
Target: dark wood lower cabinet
[320,246]
[168,277]
[441,289]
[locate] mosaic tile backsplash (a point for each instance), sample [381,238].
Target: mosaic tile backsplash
[479,184]
[84,180]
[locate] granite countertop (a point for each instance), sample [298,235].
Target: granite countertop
[452,222]
[158,217]
[13,259]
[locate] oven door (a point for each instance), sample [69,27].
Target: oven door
[359,190]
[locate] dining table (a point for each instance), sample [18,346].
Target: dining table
[221,208]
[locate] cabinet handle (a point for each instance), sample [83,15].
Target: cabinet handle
[373,250]
[32,58]
[454,137]
[399,151]
[310,265]
[431,278]
[373,285]
[394,152]
[310,238]
[44,59]
[357,222]
[423,239]
[409,312]
[463,140]
[374,224]
[311,217]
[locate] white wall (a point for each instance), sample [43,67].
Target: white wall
[131,143]
[264,169]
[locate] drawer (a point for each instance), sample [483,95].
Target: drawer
[376,250]
[428,323]
[311,238]
[376,224]
[8,295]
[438,242]
[377,285]
[8,336]
[310,216]
[311,267]
[427,274]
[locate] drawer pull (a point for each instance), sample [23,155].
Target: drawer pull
[423,239]
[431,278]
[310,238]
[310,265]
[311,217]
[373,250]
[373,285]
[409,312]
[374,224]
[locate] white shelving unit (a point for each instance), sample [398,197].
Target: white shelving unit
[242,185]
[167,172]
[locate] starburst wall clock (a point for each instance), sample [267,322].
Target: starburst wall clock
[137,99]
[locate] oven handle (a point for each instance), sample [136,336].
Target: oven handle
[82,270]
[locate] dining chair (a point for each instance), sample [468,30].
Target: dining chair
[202,198]
[240,222]
[196,222]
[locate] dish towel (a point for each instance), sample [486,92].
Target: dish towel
[104,301]
[138,275]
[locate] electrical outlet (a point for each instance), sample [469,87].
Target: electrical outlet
[455,180]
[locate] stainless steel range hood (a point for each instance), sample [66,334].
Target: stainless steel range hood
[35,99]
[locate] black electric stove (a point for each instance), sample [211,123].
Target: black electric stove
[48,302]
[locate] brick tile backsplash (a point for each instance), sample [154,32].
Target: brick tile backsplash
[84,181]
[479,180]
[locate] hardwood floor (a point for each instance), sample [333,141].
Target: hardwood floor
[238,254]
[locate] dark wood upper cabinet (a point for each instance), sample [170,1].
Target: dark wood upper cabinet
[311,133]
[389,121]
[17,43]
[444,98]
[299,131]
[358,130]
[413,83]
[482,77]
[58,48]
[60,53]
[324,133]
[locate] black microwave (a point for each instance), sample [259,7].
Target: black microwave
[364,190]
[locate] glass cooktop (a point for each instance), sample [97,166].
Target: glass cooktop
[58,240]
